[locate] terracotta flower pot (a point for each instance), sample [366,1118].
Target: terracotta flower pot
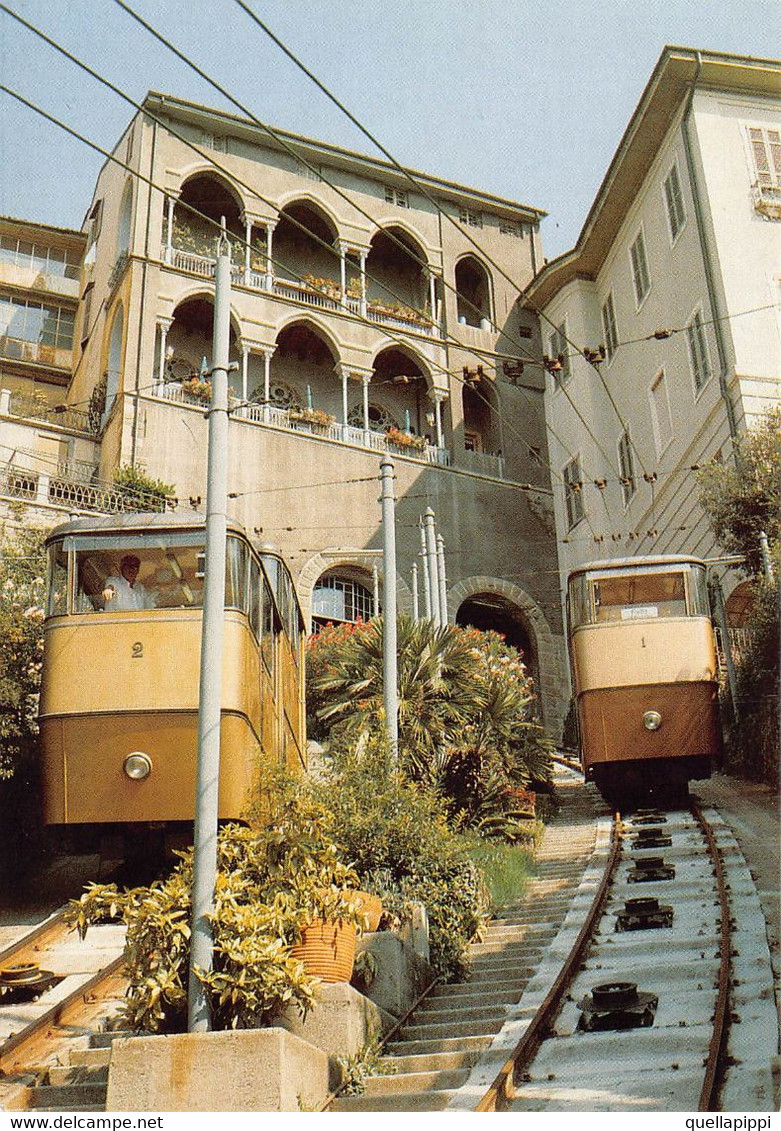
[327,950]
[370,907]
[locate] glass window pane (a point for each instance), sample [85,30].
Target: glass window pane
[57,586]
[236,575]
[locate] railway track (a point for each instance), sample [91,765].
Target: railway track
[672,1011]
[530,1030]
[56,993]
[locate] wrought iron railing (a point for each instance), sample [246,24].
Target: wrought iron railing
[278,417]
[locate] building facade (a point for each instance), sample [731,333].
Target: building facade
[371,313]
[662,327]
[48,454]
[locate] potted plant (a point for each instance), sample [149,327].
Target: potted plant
[406,439]
[198,389]
[311,416]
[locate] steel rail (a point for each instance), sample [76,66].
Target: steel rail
[82,1003]
[502,1086]
[36,939]
[717,1047]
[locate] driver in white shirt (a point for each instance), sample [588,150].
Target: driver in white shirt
[124,593]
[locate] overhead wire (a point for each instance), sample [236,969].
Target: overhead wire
[421,188]
[281,140]
[112,157]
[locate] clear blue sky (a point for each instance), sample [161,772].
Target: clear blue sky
[518,97]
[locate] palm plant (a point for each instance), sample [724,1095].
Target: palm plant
[465,706]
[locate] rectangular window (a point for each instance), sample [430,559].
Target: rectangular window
[470,217]
[766,154]
[676,213]
[609,326]
[41,258]
[573,492]
[698,351]
[399,197]
[25,321]
[640,276]
[660,411]
[558,351]
[626,468]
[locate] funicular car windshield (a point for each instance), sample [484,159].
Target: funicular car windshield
[602,596]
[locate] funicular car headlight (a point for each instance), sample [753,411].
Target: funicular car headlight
[652,720]
[137,766]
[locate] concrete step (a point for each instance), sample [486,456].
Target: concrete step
[416,1082]
[437,1045]
[458,1012]
[66,1097]
[105,1040]
[492,967]
[483,1028]
[60,1074]
[486,993]
[410,1101]
[432,1061]
[90,1057]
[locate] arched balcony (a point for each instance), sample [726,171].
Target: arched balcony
[398,285]
[183,344]
[473,293]
[192,225]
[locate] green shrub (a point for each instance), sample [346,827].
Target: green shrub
[395,833]
[466,722]
[272,880]
[140,491]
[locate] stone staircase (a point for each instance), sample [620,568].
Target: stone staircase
[451,1030]
[80,1083]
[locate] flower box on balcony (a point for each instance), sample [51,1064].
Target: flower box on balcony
[327,287]
[312,416]
[198,390]
[406,440]
[398,310]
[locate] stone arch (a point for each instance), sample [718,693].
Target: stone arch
[474,291]
[289,200]
[549,655]
[327,560]
[315,326]
[206,169]
[408,230]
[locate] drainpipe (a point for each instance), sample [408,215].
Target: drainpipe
[707,259]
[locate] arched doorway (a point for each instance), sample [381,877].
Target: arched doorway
[491,612]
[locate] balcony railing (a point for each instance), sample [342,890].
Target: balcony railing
[485,463]
[281,418]
[30,407]
[203,266]
[42,489]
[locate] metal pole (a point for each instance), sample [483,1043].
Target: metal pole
[767,563]
[389,635]
[442,579]
[426,576]
[720,614]
[210,695]
[431,558]
[415,602]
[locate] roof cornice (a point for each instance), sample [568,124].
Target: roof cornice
[319,151]
[678,71]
